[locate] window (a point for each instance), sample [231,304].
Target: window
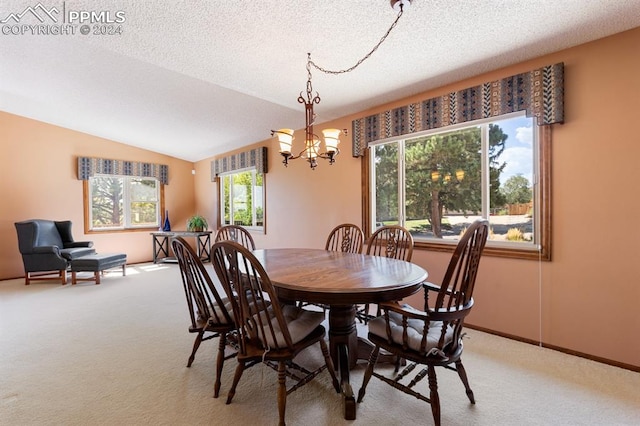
[435,183]
[123,202]
[242,193]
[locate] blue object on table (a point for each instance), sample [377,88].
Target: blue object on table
[167,224]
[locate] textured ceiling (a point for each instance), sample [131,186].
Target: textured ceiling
[193,79]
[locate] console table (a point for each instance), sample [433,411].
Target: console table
[161,241]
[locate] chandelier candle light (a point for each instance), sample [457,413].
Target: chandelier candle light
[311,151]
[312,142]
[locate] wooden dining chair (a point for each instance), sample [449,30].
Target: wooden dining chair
[210,313]
[267,332]
[347,238]
[235,233]
[431,336]
[392,241]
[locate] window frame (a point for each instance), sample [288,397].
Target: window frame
[87,206]
[221,194]
[542,194]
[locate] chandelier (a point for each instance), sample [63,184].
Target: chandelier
[312,142]
[311,150]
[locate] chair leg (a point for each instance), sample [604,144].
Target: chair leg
[433,396]
[330,366]
[399,361]
[463,376]
[282,391]
[62,274]
[196,345]
[236,379]
[365,316]
[368,372]
[222,343]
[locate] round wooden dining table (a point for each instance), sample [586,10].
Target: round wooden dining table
[340,280]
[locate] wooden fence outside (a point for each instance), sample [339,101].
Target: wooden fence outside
[520,209]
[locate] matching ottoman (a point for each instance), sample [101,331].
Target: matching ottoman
[97,263]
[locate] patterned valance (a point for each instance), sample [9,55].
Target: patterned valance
[88,167]
[539,92]
[254,158]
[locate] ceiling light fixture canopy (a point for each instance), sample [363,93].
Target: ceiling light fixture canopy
[311,151]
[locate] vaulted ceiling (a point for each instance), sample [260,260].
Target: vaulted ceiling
[192,79]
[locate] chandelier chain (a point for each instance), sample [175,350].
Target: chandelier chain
[364,58]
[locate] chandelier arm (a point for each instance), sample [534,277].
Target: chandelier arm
[364,58]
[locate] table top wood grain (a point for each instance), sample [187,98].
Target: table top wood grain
[336,278]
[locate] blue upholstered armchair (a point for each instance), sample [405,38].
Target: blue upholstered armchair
[47,246]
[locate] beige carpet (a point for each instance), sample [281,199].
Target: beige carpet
[115,354]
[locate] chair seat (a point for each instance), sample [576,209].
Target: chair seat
[216,316]
[299,321]
[76,252]
[415,330]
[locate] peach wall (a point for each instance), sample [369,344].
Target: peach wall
[38,179]
[586,298]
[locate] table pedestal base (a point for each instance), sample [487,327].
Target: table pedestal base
[346,348]
[343,341]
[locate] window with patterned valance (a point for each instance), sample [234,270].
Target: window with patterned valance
[120,195]
[434,164]
[88,167]
[256,158]
[539,92]
[240,180]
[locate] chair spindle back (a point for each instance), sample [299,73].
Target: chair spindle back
[391,241]
[236,233]
[250,290]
